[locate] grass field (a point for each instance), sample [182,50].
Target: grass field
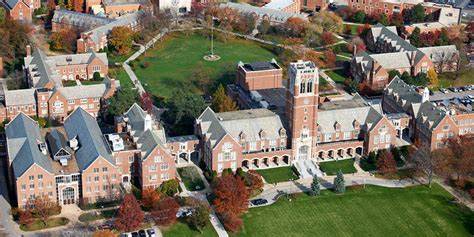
[373,211]
[191,178]
[122,76]
[174,60]
[50,223]
[447,79]
[277,175]
[337,76]
[181,229]
[332,167]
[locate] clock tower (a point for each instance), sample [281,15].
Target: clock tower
[302,107]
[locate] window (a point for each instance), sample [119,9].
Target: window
[152,177]
[387,138]
[23,187]
[220,167]
[88,189]
[32,186]
[165,176]
[131,159]
[347,135]
[40,177]
[88,179]
[119,160]
[233,165]
[376,140]
[220,157]
[96,178]
[445,127]
[114,176]
[272,143]
[96,99]
[105,177]
[83,101]
[96,189]
[158,159]
[327,137]
[31,177]
[96,170]
[152,168]
[226,156]
[104,169]
[164,166]
[96,68]
[40,185]
[252,146]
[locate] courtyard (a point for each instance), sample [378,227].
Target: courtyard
[174,62]
[373,211]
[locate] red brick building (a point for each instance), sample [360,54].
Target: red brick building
[19,9]
[259,76]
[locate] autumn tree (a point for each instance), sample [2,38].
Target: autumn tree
[339,183]
[386,163]
[461,165]
[26,218]
[295,26]
[200,215]
[63,40]
[146,102]
[415,37]
[396,19]
[330,58]
[433,77]
[164,212]
[129,214]
[121,39]
[78,5]
[42,208]
[221,102]
[424,162]
[104,233]
[231,200]
[255,182]
[150,197]
[329,21]
[356,45]
[328,38]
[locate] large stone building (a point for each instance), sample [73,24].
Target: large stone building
[391,52]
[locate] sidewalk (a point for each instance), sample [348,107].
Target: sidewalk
[452,191]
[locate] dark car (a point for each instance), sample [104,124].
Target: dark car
[135,234]
[104,227]
[151,232]
[259,201]
[142,233]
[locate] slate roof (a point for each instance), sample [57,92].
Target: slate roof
[75,59]
[11,3]
[84,91]
[249,122]
[84,127]
[121,2]
[275,15]
[429,115]
[136,117]
[23,137]
[440,53]
[149,141]
[57,141]
[125,20]
[42,69]
[78,19]
[404,94]
[20,97]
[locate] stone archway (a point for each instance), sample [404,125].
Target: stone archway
[276,160]
[255,162]
[321,155]
[265,162]
[350,151]
[286,160]
[245,163]
[359,151]
[331,154]
[340,153]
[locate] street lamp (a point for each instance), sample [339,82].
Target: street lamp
[291,182]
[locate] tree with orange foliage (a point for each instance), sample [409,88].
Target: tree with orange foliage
[25,218]
[129,215]
[64,40]
[255,181]
[386,163]
[78,5]
[104,233]
[315,57]
[121,39]
[330,58]
[231,200]
[295,25]
[328,38]
[461,165]
[146,102]
[164,212]
[150,197]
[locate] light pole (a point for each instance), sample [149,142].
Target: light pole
[289,197]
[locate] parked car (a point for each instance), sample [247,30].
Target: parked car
[453,89]
[135,234]
[151,232]
[142,233]
[126,235]
[443,90]
[105,227]
[258,202]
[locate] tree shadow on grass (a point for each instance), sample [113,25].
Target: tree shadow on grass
[463,213]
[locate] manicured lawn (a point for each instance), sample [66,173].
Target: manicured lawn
[353,29]
[92,216]
[122,76]
[181,229]
[50,223]
[277,175]
[69,83]
[338,76]
[191,178]
[447,79]
[332,167]
[373,211]
[174,60]
[90,82]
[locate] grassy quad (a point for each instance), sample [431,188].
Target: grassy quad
[276,175]
[446,80]
[332,167]
[50,223]
[173,61]
[337,75]
[374,211]
[181,229]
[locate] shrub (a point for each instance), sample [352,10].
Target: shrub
[96,76]
[169,187]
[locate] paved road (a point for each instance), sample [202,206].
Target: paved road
[440,96]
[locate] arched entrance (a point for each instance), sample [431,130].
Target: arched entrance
[125,179]
[321,155]
[359,151]
[275,160]
[286,160]
[68,196]
[265,162]
[340,153]
[331,154]
[255,163]
[303,153]
[245,163]
[349,151]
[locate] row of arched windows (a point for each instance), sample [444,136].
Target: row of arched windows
[306,87]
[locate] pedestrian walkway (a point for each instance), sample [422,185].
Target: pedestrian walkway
[468,203]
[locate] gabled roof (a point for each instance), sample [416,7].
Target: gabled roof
[57,141]
[23,139]
[84,91]
[429,115]
[125,20]
[42,69]
[136,117]
[274,15]
[78,19]
[12,3]
[84,127]
[20,97]
[149,141]
[346,117]
[405,95]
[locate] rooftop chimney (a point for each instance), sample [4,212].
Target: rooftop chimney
[28,51]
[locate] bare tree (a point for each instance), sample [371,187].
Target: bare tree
[423,160]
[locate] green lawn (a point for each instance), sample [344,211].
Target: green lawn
[337,76]
[69,83]
[181,229]
[373,211]
[276,175]
[447,79]
[122,76]
[353,29]
[332,167]
[50,223]
[90,82]
[191,178]
[174,60]
[92,216]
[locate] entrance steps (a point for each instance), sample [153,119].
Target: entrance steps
[308,169]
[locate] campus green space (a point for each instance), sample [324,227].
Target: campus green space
[446,80]
[337,75]
[276,175]
[122,76]
[373,211]
[93,216]
[332,167]
[353,29]
[173,61]
[50,223]
[191,178]
[181,229]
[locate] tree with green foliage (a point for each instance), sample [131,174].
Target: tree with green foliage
[182,109]
[416,14]
[384,20]
[221,102]
[96,76]
[200,217]
[339,183]
[359,16]
[315,186]
[393,73]
[169,187]
[121,101]
[414,38]
[443,38]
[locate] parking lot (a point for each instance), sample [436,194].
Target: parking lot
[450,94]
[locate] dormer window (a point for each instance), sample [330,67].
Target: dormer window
[282,132]
[262,134]
[356,125]
[242,136]
[337,126]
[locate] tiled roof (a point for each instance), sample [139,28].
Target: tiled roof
[23,139]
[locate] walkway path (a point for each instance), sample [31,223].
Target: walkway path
[468,203]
